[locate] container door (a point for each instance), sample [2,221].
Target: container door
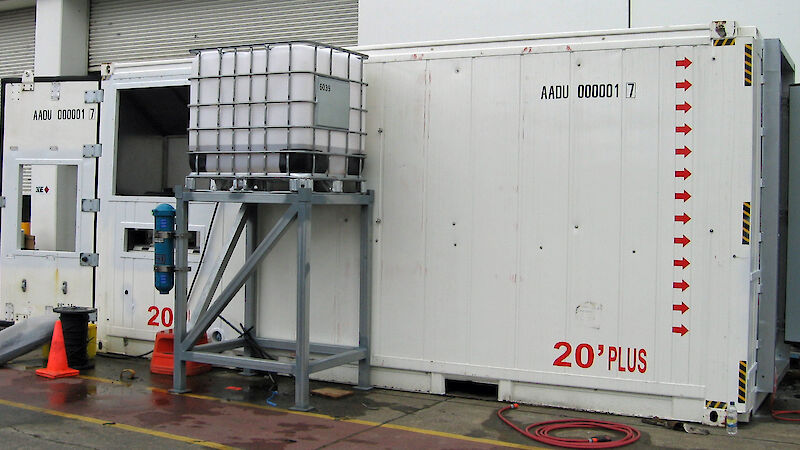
[47,240]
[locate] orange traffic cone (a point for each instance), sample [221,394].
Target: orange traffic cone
[57,361]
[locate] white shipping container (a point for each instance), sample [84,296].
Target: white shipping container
[581,218]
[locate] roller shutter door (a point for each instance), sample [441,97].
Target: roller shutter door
[17,35]
[121,30]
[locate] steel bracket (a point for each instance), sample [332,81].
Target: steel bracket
[27,80]
[90,259]
[55,91]
[92,150]
[90,205]
[95,96]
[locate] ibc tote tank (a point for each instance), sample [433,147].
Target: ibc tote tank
[278,110]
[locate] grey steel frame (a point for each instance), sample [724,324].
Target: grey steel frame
[772,355]
[793,239]
[299,210]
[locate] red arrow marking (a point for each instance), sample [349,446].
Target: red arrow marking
[683,218]
[683,263]
[685,85]
[685,129]
[684,107]
[682,285]
[683,174]
[682,240]
[683,151]
[683,195]
[682,307]
[685,62]
[680,330]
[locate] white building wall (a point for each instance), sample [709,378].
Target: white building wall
[382,22]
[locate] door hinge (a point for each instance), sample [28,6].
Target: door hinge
[93,96]
[90,204]
[90,259]
[55,91]
[27,80]
[92,150]
[2,202]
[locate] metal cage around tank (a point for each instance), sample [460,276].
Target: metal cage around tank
[243,104]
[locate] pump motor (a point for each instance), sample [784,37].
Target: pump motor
[164,240]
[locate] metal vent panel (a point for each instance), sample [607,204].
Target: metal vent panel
[17,35]
[155,29]
[26,179]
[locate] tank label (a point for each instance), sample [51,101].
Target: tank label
[333,103]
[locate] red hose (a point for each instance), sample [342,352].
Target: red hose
[776,414]
[542,432]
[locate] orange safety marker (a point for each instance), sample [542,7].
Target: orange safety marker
[57,360]
[162,361]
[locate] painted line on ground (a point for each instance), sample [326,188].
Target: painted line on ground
[368,423]
[121,426]
[326,417]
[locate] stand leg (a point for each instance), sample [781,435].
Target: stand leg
[301,390]
[364,302]
[250,294]
[181,285]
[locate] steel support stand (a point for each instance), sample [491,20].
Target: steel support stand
[181,288]
[299,209]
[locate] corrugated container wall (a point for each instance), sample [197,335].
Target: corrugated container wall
[157,29]
[571,217]
[17,31]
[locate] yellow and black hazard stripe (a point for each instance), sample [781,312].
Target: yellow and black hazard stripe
[748,64]
[716,405]
[746,223]
[721,42]
[742,381]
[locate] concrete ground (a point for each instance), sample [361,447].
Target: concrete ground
[226,409]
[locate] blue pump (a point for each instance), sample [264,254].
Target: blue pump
[164,239]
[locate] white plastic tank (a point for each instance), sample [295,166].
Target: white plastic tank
[292,109]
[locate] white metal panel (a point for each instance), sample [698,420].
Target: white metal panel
[334,253]
[17,32]
[42,128]
[641,238]
[494,136]
[400,297]
[150,29]
[448,213]
[544,220]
